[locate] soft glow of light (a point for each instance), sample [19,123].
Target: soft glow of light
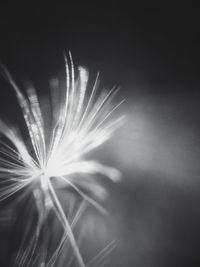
[80,126]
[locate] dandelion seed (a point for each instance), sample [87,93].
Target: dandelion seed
[78,126]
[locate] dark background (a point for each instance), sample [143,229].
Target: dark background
[152,52]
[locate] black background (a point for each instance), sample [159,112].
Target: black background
[152,52]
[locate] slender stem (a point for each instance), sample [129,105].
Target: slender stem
[65,222]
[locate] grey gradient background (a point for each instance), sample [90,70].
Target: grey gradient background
[152,52]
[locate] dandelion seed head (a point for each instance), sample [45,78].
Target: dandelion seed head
[79,124]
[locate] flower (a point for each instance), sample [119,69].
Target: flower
[78,125]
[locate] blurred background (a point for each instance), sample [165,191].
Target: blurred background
[152,52]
